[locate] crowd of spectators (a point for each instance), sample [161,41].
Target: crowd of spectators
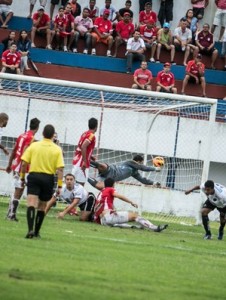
[114,27]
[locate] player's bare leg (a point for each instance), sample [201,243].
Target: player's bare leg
[203,85]
[185,82]
[133,216]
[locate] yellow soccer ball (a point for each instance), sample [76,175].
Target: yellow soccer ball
[158,161]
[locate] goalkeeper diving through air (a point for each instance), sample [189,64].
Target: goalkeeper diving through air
[122,171]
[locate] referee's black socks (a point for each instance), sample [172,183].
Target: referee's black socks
[30,218]
[38,221]
[205,222]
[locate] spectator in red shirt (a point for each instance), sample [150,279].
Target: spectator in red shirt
[60,23]
[93,10]
[147,14]
[142,77]
[195,73]
[41,25]
[11,62]
[165,80]
[69,25]
[124,31]
[149,35]
[102,32]
[220,17]
[53,3]
[204,40]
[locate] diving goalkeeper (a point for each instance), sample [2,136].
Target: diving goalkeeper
[122,171]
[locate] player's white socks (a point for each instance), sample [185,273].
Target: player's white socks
[123,225]
[10,208]
[145,223]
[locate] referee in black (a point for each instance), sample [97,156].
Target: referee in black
[44,159]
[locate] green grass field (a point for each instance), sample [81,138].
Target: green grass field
[75,260]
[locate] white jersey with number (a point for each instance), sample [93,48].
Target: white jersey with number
[219,197]
[78,192]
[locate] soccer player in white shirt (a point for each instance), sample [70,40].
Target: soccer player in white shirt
[3,123]
[75,195]
[216,198]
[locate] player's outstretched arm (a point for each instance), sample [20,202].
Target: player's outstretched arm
[68,208]
[125,199]
[195,188]
[142,179]
[50,203]
[140,167]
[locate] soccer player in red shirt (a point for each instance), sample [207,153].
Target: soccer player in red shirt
[105,214]
[84,151]
[102,32]
[147,14]
[14,164]
[11,63]
[142,77]
[124,31]
[60,23]
[41,25]
[149,35]
[195,73]
[165,80]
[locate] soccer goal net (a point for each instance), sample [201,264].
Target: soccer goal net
[131,122]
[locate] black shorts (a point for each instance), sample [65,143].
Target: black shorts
[192,79]
[198,12]
[10,71]
[63,2]
[41,185]
[211,206]
[89,204]
[207,52]
[162,90]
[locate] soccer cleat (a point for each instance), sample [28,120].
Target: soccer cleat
[33,45]
[161,228]
[93,51]
[29,235]
[207,237]
[37,235]
[220,236]
[65,49]
[157,184]
[152,60]
[75,50]
[49,47]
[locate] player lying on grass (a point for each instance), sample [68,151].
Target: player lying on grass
[105,214]
[122,171]
[75,195]
[216,198]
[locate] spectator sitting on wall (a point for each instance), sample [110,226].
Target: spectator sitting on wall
[9,40]
[165,80]
[58,32]
[24,46]
[69,25]
[93,10]
[5,9]
[41,26]
[124,31]
[149,35]
[83,27]
[32,4]
[204,40]
[53,3]
[126,9]
[165,40]
[102,32]
[142,77]
[113,13]
[147,14]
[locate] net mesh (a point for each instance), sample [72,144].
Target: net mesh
[129,124]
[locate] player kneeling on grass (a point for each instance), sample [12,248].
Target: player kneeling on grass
[75,195]
[216,198]
[105,214]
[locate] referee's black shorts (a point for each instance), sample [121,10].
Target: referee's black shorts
[41,185]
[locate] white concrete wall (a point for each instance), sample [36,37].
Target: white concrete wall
[21,8]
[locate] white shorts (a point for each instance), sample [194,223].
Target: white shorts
[5,9]
[42,2]
[118,217]
[17,181]
[220,17]
[80,175]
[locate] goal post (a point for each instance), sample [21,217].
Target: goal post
[131,122]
